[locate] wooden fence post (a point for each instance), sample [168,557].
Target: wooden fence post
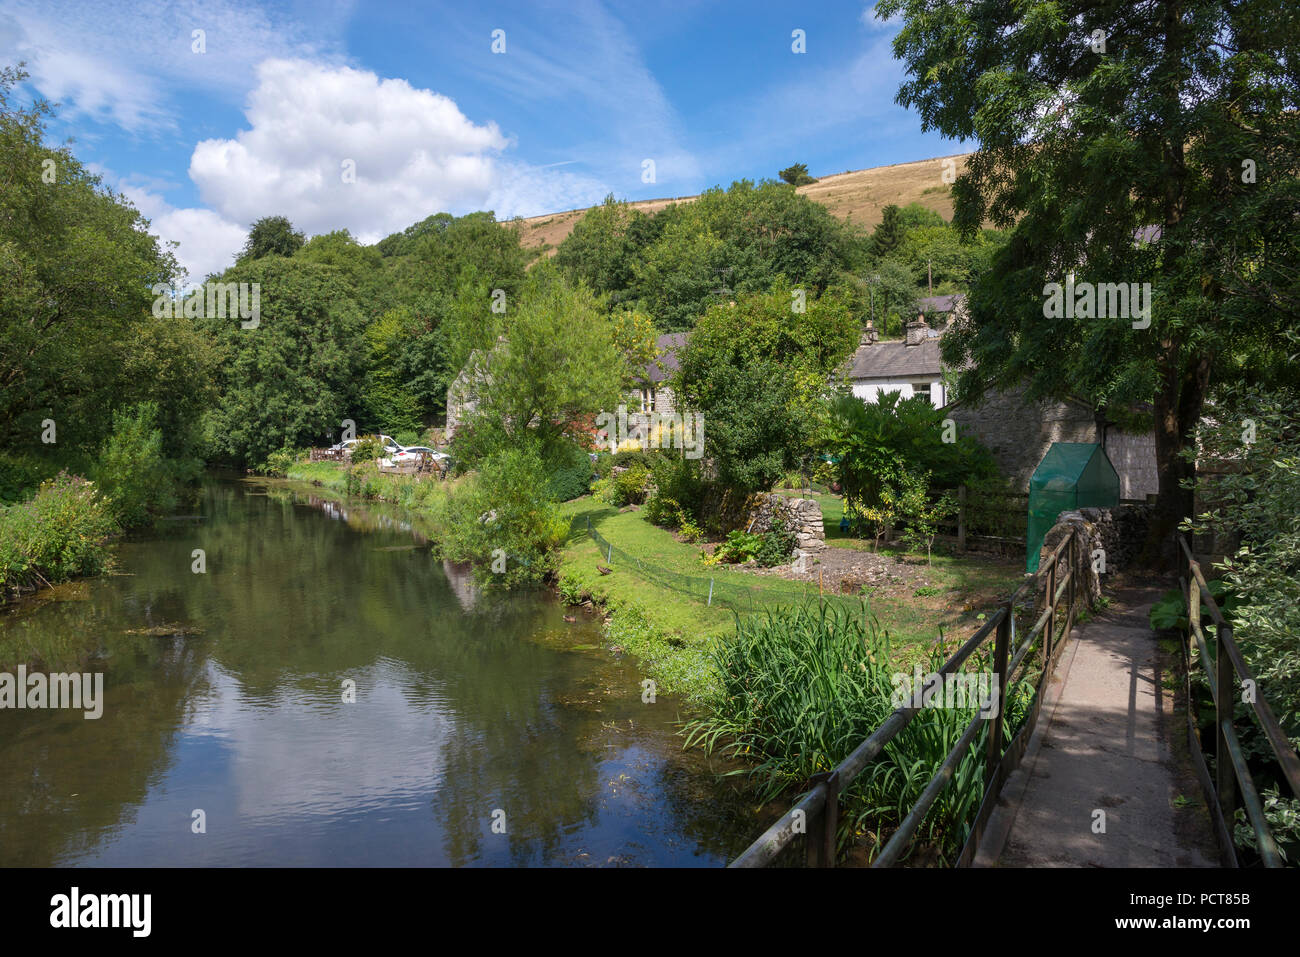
[1000,650]
[961,518]
[1223,704]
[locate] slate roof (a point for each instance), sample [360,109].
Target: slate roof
[937,304]
[666,347]
[894,360]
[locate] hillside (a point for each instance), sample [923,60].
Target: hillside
[856,196]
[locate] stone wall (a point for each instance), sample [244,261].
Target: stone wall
[1121,533]
[1117,533]
[803,516]
[1019,433]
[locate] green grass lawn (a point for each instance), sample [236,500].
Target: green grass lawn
[671,626]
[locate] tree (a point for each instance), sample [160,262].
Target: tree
[299,373]
[756,371]
[271,236]
[797,175]
[556,365]
[888,234]
[1095,121]
[77,336]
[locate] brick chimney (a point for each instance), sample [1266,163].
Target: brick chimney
[917,330]
[869,334]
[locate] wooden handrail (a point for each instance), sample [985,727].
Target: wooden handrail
[820,803]
[1228,673]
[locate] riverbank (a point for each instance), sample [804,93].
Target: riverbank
[64,531]
[666,622]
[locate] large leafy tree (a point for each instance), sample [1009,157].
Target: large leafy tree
[1094,121]
[688,256]
[557,361]
[299,373]
[271,236]
[77,338]
[757,371]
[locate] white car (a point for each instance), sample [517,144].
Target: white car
[389,443]
[411,456]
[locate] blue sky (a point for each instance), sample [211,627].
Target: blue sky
[286,99]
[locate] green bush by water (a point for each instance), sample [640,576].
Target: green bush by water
[62,532]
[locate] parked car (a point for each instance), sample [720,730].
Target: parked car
[411,456]
[389,443]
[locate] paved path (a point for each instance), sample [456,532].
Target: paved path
[1108,739]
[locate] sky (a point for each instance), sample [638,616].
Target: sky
[370,117]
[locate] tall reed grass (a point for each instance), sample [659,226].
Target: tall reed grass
[802,687]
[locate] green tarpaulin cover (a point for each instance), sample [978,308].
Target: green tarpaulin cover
[1072,475]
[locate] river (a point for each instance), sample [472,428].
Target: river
[485,730]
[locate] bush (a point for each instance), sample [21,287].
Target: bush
[279,463]
[504,521]
[571,471]
[777,545]
[628,487]
[132,471]
[367,449]
[62,532]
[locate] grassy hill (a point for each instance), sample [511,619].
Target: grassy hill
[856,196]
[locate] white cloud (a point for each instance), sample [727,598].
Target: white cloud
[125,61]
[207,243]
[415,154]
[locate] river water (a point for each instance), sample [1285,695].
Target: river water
[471,710]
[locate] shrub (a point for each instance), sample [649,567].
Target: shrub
[570,473]
[278,463]
[132,471]
[628,487]
[367,449]
[504,521]
[62,532]
[776,546]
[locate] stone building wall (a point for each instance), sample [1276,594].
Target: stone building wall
[1019,433]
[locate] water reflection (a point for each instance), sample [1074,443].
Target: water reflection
[465,703]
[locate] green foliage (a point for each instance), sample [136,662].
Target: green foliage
[796,175]
[801,688]
[628,487]
[756,371]
[271,236]
[923,515]
[1256,499]
[570,472]
[777,545]
[677,263]
[877,443]
[503,517]
[77,263]
[367,449]
[132,472]
[739,547]
[62,532]
[558,365]
[1120,142]
[280,461]
[889,234]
